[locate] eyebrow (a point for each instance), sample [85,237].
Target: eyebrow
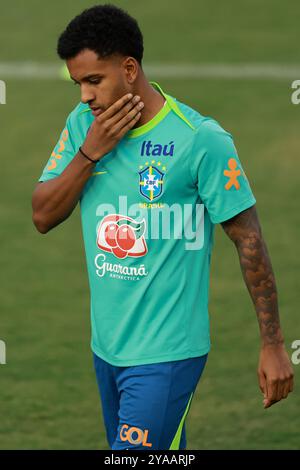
[93,75]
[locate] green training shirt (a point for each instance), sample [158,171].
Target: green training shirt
[148,213]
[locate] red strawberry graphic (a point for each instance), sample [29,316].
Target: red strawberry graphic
[119,253]
[110,234]
[125,237]
[122,236]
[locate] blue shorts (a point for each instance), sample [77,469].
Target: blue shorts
[144,407]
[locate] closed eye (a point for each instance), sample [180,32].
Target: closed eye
[94,81]
[91,81]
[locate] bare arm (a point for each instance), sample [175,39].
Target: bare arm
[54,200]
[275,371]
[245,231]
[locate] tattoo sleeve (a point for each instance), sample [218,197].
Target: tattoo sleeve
[245,231]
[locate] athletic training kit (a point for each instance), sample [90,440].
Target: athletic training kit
[148,213]
[144,407]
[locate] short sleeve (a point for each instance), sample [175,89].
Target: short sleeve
[61,156]
[222,184]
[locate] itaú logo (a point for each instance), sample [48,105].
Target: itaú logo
[134,435]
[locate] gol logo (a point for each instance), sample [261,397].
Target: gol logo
[126,434]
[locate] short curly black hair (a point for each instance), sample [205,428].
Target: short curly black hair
[106,30]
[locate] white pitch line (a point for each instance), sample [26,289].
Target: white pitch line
[36,70]
[21,70]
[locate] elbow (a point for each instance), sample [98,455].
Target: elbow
[39,223]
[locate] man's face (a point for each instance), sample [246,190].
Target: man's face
[102,81]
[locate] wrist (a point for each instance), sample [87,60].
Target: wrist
[274,343]
[89,155]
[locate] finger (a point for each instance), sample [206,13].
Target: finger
[286,388]
[115,107]
[128,126]
[271,392]
[288,385]
[127,119]
[268,403]
[123,112]
[262,382]
[280,389]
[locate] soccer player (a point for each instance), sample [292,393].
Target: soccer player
[152,177]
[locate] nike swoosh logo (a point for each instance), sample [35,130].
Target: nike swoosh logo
[99,173]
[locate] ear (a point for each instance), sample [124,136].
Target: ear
[131,68]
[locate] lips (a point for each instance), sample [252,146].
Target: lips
[96,111]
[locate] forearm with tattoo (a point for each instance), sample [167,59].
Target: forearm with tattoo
[245,231]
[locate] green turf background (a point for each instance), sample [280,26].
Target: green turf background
[48,394]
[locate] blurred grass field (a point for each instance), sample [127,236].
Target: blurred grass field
[48,394]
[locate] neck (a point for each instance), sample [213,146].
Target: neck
[152,99]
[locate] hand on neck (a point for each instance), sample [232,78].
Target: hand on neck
[152,99]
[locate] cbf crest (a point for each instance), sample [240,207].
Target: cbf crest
[152,181]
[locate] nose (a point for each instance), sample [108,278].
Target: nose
[87,94]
